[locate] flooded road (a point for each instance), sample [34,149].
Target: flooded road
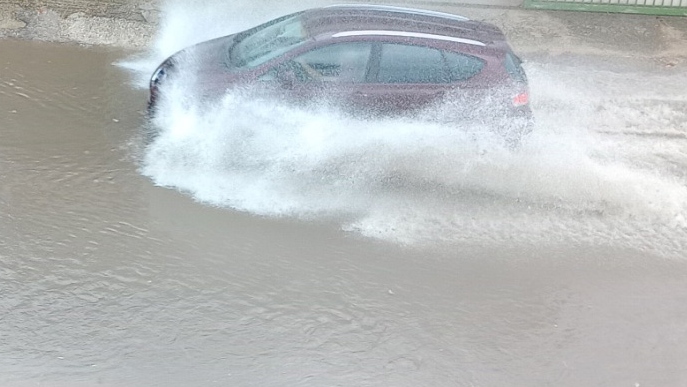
[543,270]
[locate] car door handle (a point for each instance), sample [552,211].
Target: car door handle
[361,94]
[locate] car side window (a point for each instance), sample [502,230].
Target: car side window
[285,71]
[402,63]
[339,62]
[462,67]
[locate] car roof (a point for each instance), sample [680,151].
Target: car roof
[333,21]
[403,10]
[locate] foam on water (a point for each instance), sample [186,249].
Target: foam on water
[406,180]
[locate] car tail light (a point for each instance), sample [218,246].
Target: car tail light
[521,99]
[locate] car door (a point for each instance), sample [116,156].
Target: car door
[408,77]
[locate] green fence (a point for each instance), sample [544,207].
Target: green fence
[650,7]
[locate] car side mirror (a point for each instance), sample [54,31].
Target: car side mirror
[286,77]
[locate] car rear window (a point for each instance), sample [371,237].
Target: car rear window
[462,67]
[404,63]
[514,68]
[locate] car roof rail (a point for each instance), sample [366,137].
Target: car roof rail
[392,8]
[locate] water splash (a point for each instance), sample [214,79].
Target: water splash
[186,22]
[420,181]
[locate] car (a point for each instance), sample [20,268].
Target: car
[367,58]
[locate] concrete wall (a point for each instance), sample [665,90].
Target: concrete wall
[126,23]
[126,9]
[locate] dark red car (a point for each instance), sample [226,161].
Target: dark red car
[370,58]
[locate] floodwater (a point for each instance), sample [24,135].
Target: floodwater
[258,245]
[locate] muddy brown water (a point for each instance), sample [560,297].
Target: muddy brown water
[106,279]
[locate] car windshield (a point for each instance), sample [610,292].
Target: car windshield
[268,41]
